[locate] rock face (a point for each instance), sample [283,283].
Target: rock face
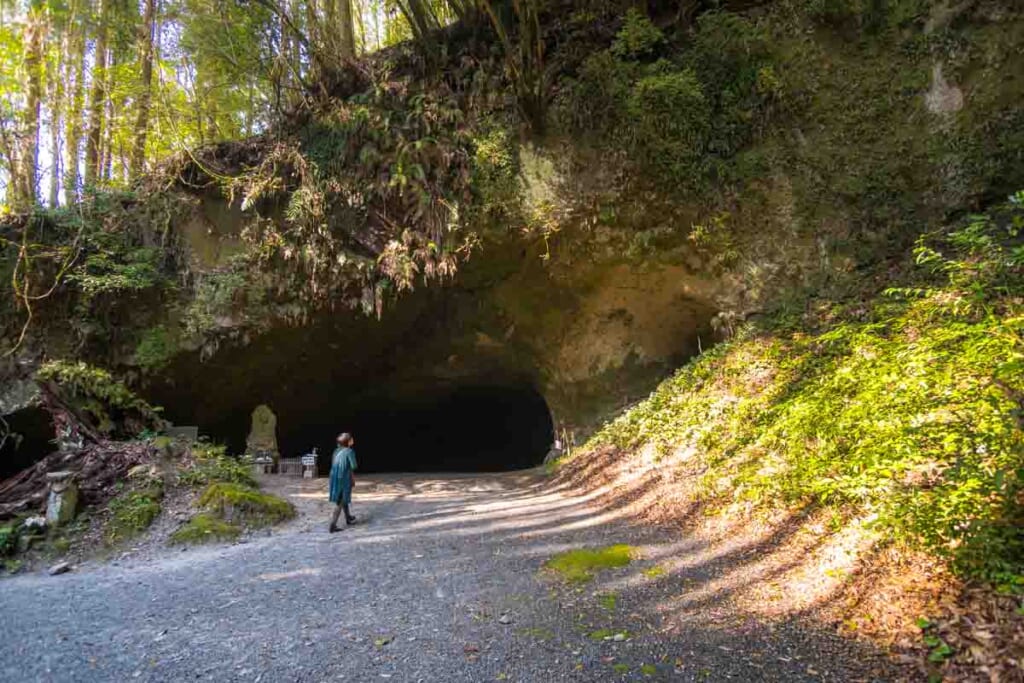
[943,97]
[587,283]
[262,438]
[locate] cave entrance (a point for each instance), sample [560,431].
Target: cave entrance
[29,438]
[475,428]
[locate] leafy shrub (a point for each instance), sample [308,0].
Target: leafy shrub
[8,539]
[132,512]
[870,15]
[113,407]
[219,296]
[638,38]
[212,464]
[156,347]
[496,173]
[732,59]
[670,119]
[593,103]
[105,272]
[683,121]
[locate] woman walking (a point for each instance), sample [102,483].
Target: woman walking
[342,464]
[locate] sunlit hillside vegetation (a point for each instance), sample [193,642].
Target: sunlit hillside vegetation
[900,406]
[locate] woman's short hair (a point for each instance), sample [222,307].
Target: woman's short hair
[344,437]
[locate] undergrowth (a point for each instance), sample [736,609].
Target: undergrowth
[213,464]
[133,511]
[904,408]
[205,528]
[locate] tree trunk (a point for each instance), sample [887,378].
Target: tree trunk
[146,30]
[76,102]
[346,33]
[28,157]
[56,86]
[110,121]
[94,141]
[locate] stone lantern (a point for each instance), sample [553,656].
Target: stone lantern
[63,498]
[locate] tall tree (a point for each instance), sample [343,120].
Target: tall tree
[97,99]
[55,97]
[75,89]
[344,28]
[146,31]
[27,173]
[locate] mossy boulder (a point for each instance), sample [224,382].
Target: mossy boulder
[236,503]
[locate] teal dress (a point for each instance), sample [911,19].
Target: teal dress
[343,462]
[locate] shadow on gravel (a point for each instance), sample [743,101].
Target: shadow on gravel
[442,579]
[690,611]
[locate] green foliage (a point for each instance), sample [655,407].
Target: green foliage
[8,540]
[157,346]
[869,15]
[219,296]
[205,528]
[239,503]
[396,163]
[715,238]
[133,511]
[906,408]
[106,273]
[638,38]
[578,566]
[670,120]
[683,121]
[212,464]
[97,393]
[496,174]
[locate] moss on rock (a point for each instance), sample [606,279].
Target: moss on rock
[242,504]
[205,528]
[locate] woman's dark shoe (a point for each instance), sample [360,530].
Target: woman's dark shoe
[332,529]
[350,520]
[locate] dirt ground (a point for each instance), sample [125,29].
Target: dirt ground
[441,579]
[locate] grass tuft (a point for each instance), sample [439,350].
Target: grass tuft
[578,566]
[132,512]
[205,528]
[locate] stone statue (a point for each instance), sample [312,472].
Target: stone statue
[263,434]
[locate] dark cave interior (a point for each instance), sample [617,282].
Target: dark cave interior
[29,437]
[464,428]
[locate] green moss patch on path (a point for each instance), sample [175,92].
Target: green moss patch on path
[578,566]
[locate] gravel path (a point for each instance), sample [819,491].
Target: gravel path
[439,581]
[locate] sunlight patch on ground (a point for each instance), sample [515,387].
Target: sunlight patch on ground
[297,573]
